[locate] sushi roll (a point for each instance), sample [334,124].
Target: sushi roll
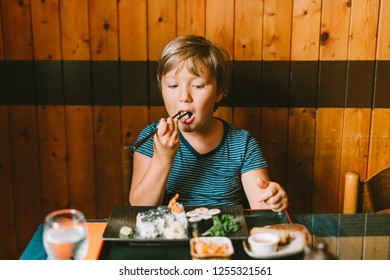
[207,221]
[191,214]
[202,210]
[196,225]
[214,212]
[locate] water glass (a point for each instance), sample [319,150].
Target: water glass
[65,235]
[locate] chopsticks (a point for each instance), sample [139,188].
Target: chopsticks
[288,216]
[137,144]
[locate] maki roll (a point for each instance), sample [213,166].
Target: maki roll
[215,212]
[207,221]
[202,210]
[196,225]
[191,214]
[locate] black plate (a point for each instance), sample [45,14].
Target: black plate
[126,216]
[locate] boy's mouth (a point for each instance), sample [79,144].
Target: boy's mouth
[185,115]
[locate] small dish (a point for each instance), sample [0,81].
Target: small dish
[211,248]
[263,243]
[295,246]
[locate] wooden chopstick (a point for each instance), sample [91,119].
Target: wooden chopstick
[136,145]
[288,217]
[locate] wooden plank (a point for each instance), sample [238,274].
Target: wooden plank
[363,30]
[25,172]
[248,30]
[301,137]
[7,223]
[376,248]
[383,41]
[17,20]
[354,145]
[335,29]
[191,17]
[133,47]
[161,26]
[305,32]
[248,119]
[379,153]
[327,156]
[75,30]
[51,119]
[133,30]
[329,242]
[156,113]
[23,126]
[274,142]
[107,128]
[350,248]
[277,29]
[219,23]
[79,119]
[103,29]
[46,29]
[1,39]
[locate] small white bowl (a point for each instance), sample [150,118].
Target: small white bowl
[263,243]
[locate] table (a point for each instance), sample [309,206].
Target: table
[346,236]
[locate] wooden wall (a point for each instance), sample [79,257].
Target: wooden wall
[77,81]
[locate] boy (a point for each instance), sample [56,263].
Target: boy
[202,158]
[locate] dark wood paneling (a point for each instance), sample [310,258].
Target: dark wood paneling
[304,84]
[105,83]
[360,84]
[155,98]
[276,83]
[382,85]
[332,84]
[3,89]
[247,83]
[20,82]
[134,83]
[77,82]
[49,84]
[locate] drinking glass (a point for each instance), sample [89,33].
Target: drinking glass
[65,235]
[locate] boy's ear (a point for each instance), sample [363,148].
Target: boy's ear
[219,97]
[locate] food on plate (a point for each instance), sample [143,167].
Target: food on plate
[214,211]
[175,206]
[202,210]
[125,232]
[286,232]
[263,242]
[223,226]
[211,247]
[162,222]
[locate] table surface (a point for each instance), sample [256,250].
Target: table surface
[346,236]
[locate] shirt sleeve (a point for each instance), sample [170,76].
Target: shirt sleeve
[253,157]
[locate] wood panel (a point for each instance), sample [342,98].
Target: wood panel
[277,29]
[22,124]
[379,153]
[363,30]
[306,30]
[51,119]
[335,29]
[133,30]
[80,139]
[383,41]
[133,46]
[161,26]
[107,126]
[248,30]
[327,156]
[382,248]
[191,17]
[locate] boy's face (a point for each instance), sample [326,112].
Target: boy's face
[183,91]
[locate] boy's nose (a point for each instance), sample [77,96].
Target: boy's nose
[185,96]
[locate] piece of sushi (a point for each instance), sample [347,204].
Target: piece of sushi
[192,213]
[202,210]
[207,221]
[214,211]
[196,225]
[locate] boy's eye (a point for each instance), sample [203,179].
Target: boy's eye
[198,86]
[172,86]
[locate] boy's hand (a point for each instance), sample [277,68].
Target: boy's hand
[274,195]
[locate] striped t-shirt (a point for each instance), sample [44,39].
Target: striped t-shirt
[213,178]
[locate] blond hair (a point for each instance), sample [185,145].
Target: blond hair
[196,52]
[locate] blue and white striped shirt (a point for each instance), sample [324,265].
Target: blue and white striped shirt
[213,178]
